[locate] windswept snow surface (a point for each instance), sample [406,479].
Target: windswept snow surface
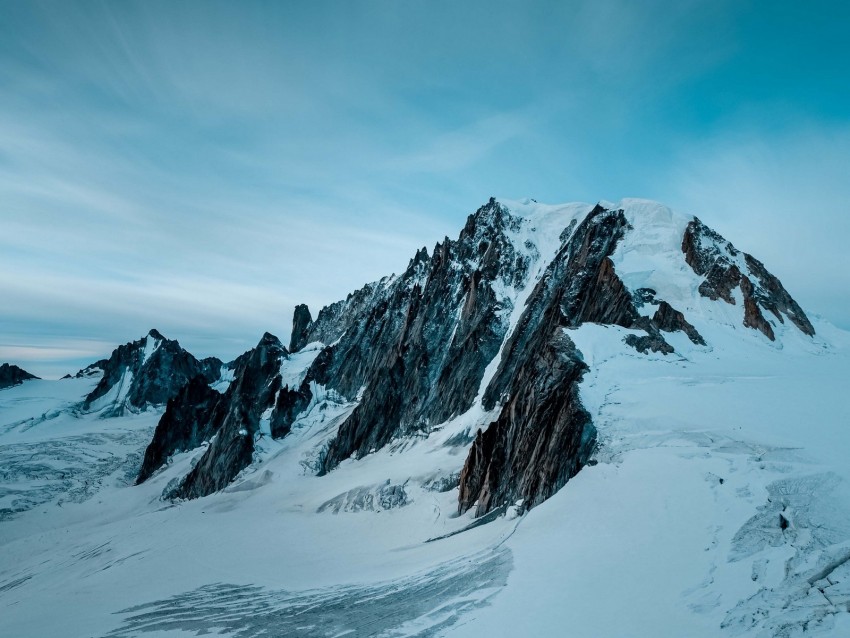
[719,504]
[295,365]
[226,376]
[677,530]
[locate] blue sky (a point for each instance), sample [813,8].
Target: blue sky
[203,167]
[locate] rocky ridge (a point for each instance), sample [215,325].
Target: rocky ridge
[727,270]
[91,371]
[142,373]
[420,353]
[484,319]
[228,421]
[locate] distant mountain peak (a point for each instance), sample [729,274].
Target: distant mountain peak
[269,340]
[144,373]
[11,375]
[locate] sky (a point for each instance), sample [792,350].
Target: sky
[203,167]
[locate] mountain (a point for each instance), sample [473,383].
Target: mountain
[483,320]
[143,373]
[562,411]
[234,419]
[13,375]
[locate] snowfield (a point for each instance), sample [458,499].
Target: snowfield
[677,531]
[718,503]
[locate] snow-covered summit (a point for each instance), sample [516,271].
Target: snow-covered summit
[145,372]
[682,260]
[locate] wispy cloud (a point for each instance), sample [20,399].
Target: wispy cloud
[463,147]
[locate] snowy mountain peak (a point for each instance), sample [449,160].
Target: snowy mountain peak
[143,373]
[679,258]
[92,370]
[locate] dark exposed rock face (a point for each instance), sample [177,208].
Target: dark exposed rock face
[669,319]
[92,370]
[704,248]
[421,350]
[236,419]
[301,322]
[146,372]
[579,285]
[231,420]
[13,375]
[543,435]
[606,300]
[289,404]
[643,296]
[772,296]
[293,401]
[711,255]
[190,418]
[719,282]
[719,261]
[338,318]
[752,313]
[649,343]
[211,368]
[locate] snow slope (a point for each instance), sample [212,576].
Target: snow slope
[719,504]
[677,530]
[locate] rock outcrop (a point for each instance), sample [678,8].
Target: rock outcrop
[90,371]
[543,435]
[191,417]
[421,350]
[13,375]
[772,296]
[669,319]
[752,313]
[234,420]
[726,269]
[289,404]
[579,285]
[143,373]
[665,319]
[301,322]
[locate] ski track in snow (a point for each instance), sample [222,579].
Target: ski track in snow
[421,605]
